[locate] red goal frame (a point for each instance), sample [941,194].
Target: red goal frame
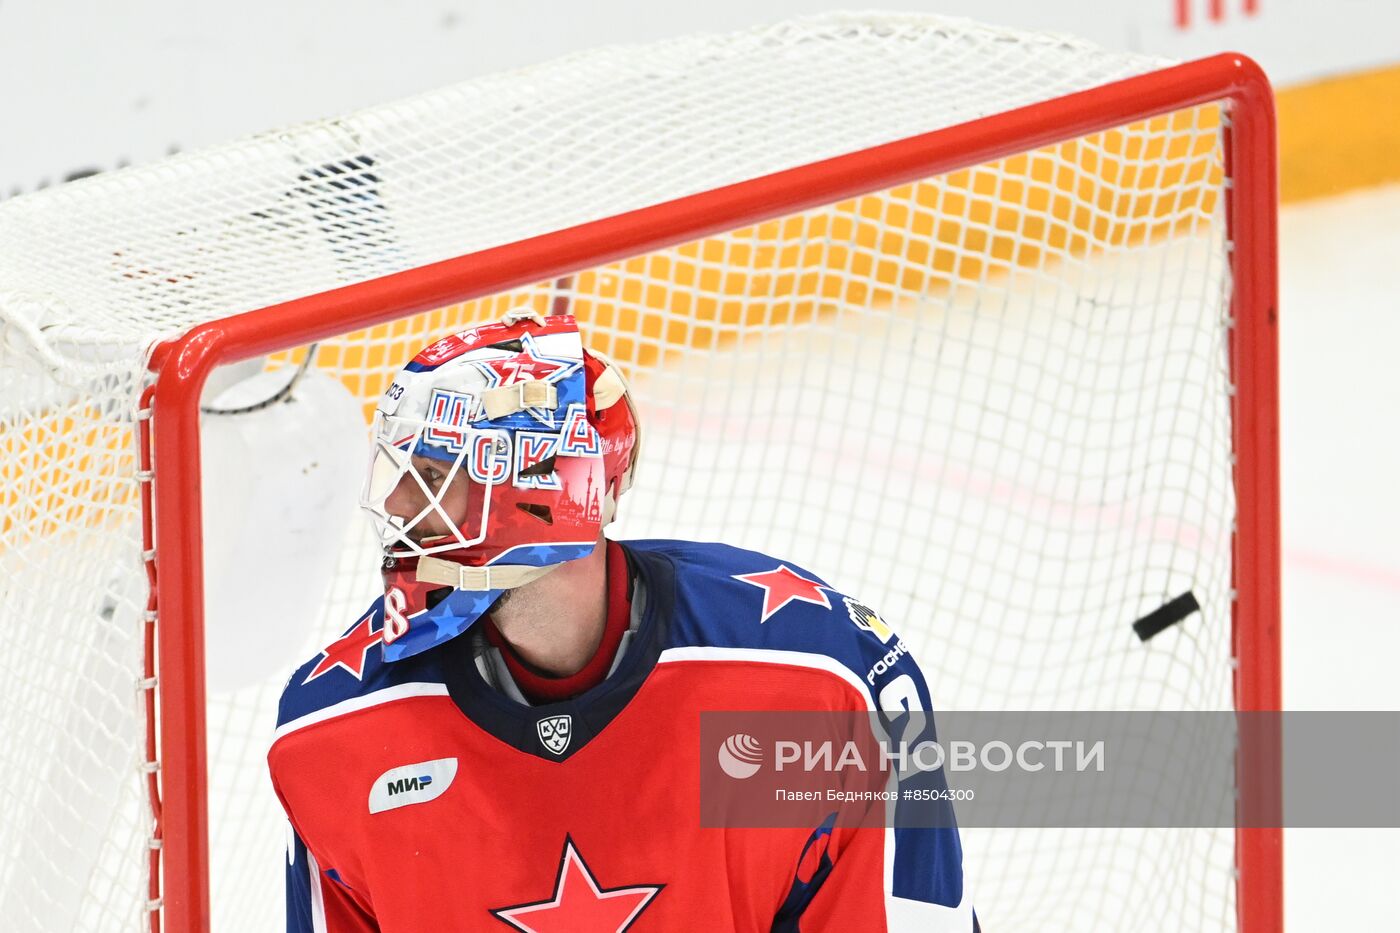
[169,416]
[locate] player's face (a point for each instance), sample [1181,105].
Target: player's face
[408,500]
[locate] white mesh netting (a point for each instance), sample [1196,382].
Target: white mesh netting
[993,403]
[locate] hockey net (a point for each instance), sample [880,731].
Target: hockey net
[996,402]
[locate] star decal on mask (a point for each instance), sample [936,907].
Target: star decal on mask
[544,554]
[456,614]
[526,366]
[781,586]
[348,652]
[579,903]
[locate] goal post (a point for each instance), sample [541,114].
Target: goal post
[985,217]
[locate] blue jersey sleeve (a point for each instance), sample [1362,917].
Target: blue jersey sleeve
[299,882]
[316,901]
[735,603]
[925,888]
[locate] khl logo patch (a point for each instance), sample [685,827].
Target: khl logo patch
[555,732]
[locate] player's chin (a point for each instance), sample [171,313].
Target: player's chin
[498,603]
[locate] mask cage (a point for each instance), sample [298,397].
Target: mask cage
[479,457]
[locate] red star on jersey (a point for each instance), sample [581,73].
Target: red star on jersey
[579,905]
[782,586]
[347,652]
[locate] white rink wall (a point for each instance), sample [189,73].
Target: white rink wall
[91,86]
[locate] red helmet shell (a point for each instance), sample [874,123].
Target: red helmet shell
[535,434]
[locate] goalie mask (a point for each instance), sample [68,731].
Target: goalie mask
[499,453]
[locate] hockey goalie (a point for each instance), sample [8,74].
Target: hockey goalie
[509,737]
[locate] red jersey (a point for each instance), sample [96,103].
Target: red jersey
[426,796]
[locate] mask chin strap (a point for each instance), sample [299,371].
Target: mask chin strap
[459,576]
